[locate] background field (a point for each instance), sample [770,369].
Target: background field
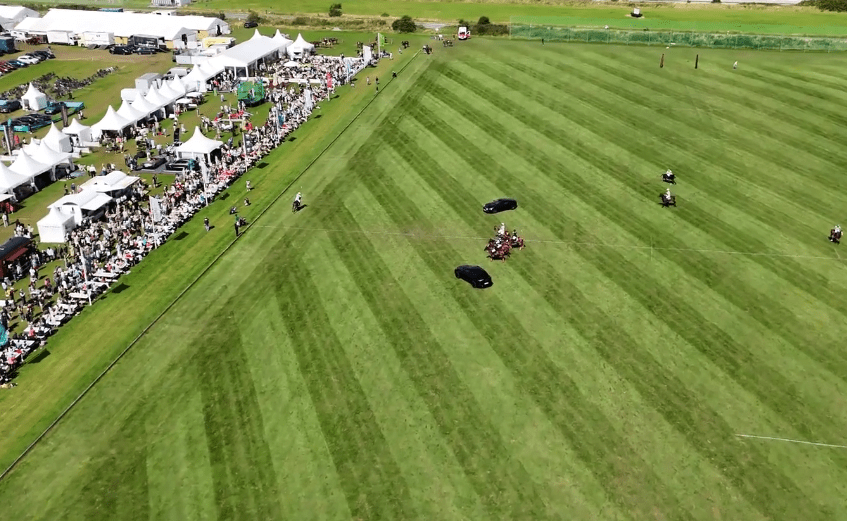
[330,365]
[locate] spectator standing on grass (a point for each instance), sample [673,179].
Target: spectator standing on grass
[735,65]
[6,216]
[206,223]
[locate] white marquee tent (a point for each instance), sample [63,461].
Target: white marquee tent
[198,146]
[155,98]
[282,41]
[75,204]
[111,122]
[143,106]
[130,114]
[243,57]
[113,182]
[47,156]
[82,132]
[178,87]
[27,166]
[299,48]
[10,180]
[57,140]
[34,99]
[55,226]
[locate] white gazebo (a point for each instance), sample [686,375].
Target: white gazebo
[198,146]
[282,41]
[143,106]
[80,205]
[111,183]
[178,87]
[111,122]
[9,180]
[34,99]
[45,155]
[129,113]
[168,93]
[82,132]
[299,48]
[57,140]
[28,167]
[55,226]
[155,98]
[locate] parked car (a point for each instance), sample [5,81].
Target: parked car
[10,106]
[54,108]
[474,275]
[154,163]
[17,63]
[146,50]
[500,205]
[47,55]
[250,25]
[27,59]
[122,49]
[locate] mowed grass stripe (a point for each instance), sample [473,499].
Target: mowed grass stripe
[721,338]
[501,483]
[369,476]
[422,455]
[552,389]
[305,474]
[570,484]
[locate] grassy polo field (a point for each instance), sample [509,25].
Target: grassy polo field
[328,364]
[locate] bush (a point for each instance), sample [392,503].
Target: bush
[490,29]
[385,15]
[716,1]
[483,20]
[335,10]
[838,6]
[253,17]
[404,24]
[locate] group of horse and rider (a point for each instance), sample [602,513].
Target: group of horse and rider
[499,247]
[668,199]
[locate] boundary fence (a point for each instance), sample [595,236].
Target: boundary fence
[712,40]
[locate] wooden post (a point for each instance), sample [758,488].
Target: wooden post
[662,62]
[697,61]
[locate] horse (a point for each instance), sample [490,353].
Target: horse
[668,202]
[669,178]
[517,242]
[296,206]
[835,236]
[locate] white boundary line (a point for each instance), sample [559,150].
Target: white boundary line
[567,243]
[793,441]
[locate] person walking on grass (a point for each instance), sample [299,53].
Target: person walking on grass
[206,223]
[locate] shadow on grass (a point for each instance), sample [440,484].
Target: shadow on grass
[39,356]
[120,288]
[293,138]
[224,196]
[180,236]
[261,165]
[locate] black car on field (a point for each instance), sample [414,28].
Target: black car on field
[146,50]
[474,275]
[250,25]
[500,205]
[122,49]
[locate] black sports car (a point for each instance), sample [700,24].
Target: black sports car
[500,205]
[474,275]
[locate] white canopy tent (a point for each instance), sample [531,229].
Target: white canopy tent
[299,48]
[168,93]
[76,204]
[82,132]
[178,87]
[45,155]
[113,182]
[198,146]
[282,42]
[143,106]
[9,180]
[55,226]
[57,140]
[243,57]
[111,122]
[130,114]
[27,166]
[34,99]
[156,99]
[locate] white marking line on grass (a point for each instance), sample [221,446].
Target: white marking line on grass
[793,441]
[567,243]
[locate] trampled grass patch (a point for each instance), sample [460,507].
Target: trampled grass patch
[331,366]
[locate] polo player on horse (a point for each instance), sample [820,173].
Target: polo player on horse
[835,234]
[668,177]
[668,199]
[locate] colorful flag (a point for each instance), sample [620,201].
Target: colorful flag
[329,81]
[4,336]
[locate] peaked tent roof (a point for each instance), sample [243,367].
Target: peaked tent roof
[281,40]
[156,99]
[10,179]
[168,93]
[127,112]
[256,34]
[27,166]
[247,53]
[56,216]
[177,87]
[44,154]
[75,127]
[301,43]
[199,144]
[141,104]
[32,92]
[111,121]
[55,135]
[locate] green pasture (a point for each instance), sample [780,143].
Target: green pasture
[330,366]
